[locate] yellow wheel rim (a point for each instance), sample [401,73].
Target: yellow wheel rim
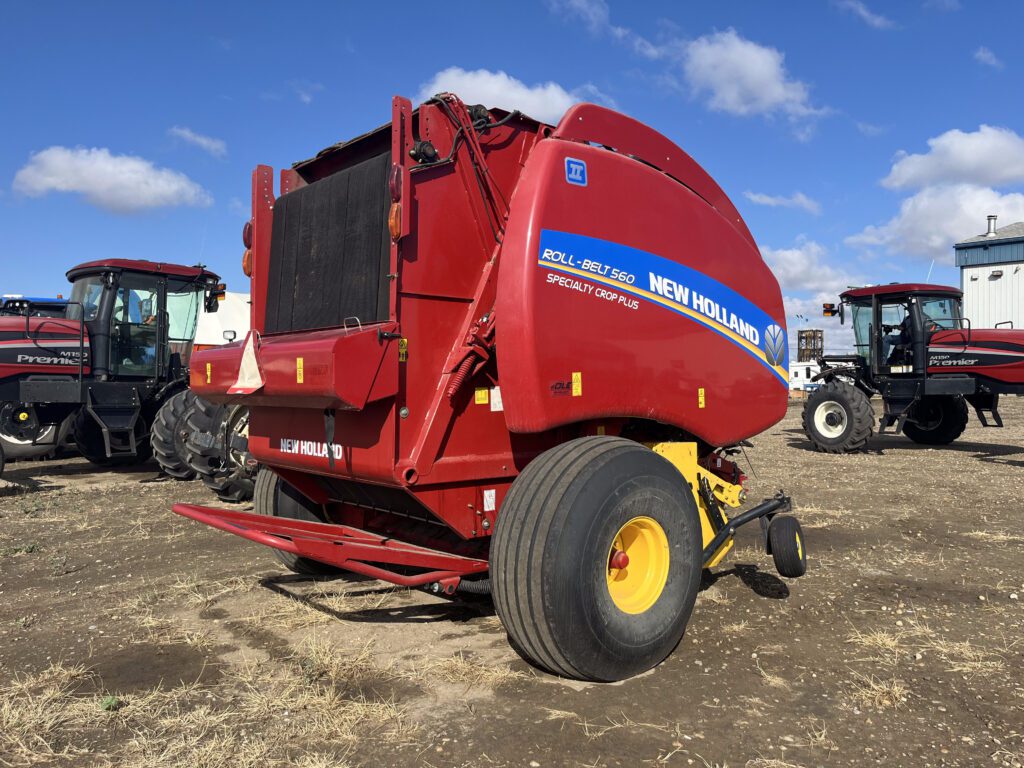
[638,565]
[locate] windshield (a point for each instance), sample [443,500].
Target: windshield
[941,313]
[85,296]
[182,311]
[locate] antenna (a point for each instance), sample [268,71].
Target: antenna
[930,267]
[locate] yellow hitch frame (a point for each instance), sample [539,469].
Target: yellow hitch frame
[683,456]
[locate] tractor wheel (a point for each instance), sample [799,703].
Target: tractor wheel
[169,435]
[596,559]
[3,460]
[786,540]
[937,420]
[89,441]
[220,468]
[838,418]
[272,496]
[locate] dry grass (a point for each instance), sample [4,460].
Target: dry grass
[459,669]
[995,537]
[870,691]
[770,762]
[715,596]
[37,711]
[735,628]
[818,738]
[883,646]
[771,679]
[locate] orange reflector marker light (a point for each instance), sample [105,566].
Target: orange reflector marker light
[395,221]
[247,262]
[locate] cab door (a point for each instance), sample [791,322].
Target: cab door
[136,327]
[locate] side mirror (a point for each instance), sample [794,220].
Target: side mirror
[214,297]
[230,336]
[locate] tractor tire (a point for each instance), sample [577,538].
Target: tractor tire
[569,602]
[838,418]
[216,467]
[789,551]
[272,496]
[170,434]
[89,441]
[941,419]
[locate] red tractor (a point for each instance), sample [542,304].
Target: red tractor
[492,355]
[120,351]
[916,350]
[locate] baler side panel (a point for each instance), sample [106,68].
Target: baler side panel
[579,341]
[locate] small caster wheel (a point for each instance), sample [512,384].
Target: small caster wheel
[786,540]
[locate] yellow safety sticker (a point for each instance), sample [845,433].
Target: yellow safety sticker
[209,372]
[700,397]
[577,383]
[403,350]
[482,396]
[298,370]
[600,430]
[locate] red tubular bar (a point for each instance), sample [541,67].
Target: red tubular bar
[338,545]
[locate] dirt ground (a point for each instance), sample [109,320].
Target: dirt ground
[130,636]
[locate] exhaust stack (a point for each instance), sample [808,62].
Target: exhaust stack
[991,225]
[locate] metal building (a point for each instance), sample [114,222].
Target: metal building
[992,276]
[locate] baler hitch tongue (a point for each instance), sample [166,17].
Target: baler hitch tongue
[785,545]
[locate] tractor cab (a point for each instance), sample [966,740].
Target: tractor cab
[140,317]
[120,349]
[893,324]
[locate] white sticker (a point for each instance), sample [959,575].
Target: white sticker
[489,499]
[496,399]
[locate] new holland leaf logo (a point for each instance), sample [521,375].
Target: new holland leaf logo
[775,344]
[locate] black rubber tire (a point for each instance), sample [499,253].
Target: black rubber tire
[169,435]
[549,559]
[272,496]
[788,545]
[230,481]
[89,441]
[945,416]
[3,460]
[858,414]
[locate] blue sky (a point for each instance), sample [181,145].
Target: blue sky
[859,139]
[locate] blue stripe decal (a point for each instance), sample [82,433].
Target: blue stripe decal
[673,286]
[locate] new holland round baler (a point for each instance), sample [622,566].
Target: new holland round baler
[498,356]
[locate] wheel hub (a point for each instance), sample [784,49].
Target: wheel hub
[830,419]
[638,562]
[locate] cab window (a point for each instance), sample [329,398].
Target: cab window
[940,313]
[134,327]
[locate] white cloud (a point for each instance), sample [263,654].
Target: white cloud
[796,200]
[118,183]
[737,76]
[807,282]
[215,147]
[931,221]
[304,90]
[870,129]
[544,101]
[987,157]
[803,268]
[596,17]
[744,78]
[985,56]
[865,14]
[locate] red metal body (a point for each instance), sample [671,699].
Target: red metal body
[900,289]
[542,286]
